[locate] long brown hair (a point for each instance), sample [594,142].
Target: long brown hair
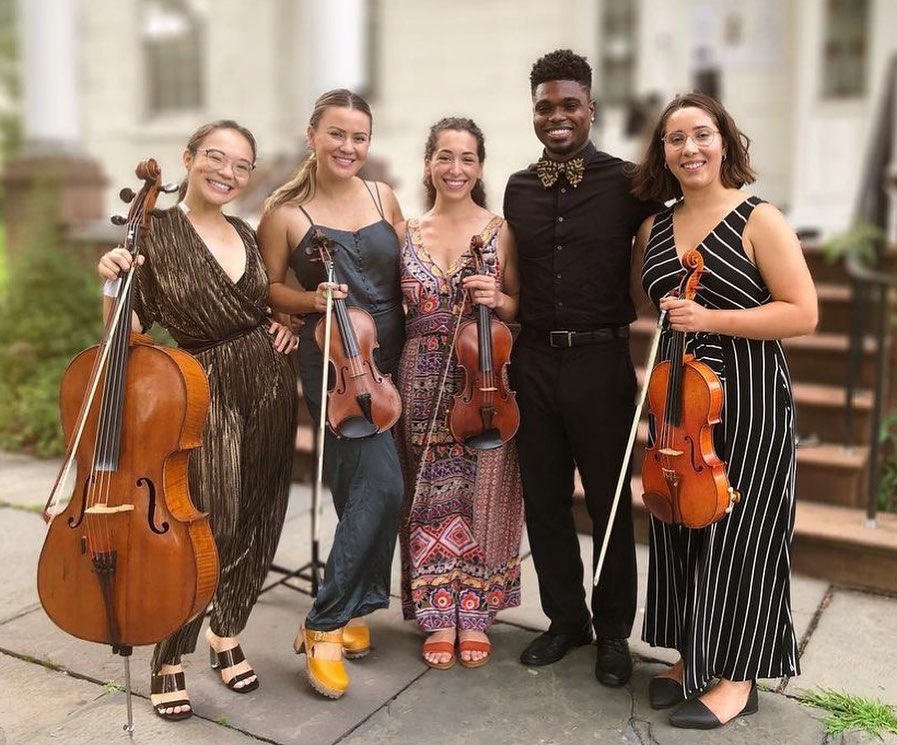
[455,124]
[652,180]
[301,187]
[199,136]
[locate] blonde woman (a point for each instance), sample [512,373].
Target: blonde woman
[364,475]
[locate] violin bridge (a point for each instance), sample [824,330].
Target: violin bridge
[488,390]
[670,451]
[102,509]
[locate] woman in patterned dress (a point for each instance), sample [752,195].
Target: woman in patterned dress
[461,526]
[363,474]
[720,595]
[202,279]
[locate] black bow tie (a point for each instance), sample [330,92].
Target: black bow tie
[549,170]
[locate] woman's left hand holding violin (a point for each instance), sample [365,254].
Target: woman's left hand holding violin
[483,290]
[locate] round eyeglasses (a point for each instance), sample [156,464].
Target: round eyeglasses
[701,138]
[241,167]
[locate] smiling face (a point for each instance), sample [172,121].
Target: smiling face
[562,115]
[694,165]
[340,141]
[454,167]
[216,172]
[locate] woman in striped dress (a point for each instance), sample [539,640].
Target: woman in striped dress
[720,595]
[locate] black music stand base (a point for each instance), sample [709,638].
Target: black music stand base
[309,573]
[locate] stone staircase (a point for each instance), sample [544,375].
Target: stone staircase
[832,540]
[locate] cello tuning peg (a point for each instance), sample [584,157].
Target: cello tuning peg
[118,220]
[169,188]
[127,195]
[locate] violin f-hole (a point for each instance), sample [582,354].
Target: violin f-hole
[74,522]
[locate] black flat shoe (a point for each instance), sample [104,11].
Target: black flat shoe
[613,663]
[694,715]
[664,693]
[547,648]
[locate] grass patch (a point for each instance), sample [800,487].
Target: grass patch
[110,686]
[37,509]
[847,712]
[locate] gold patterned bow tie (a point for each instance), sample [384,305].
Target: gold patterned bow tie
[549,171]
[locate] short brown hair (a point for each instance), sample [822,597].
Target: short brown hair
[653,181]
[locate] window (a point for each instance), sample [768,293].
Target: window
[619,28]
[845,48]
[172,45]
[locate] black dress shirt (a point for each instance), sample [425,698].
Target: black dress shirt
[575,244]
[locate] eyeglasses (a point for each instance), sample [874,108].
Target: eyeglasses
[242,167]
[701,138]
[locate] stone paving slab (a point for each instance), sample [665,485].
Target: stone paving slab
[26,481]
[21,537]
[504,703]
[51,707]
[854,648]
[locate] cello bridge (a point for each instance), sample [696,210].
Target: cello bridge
[102,509]
[670,451]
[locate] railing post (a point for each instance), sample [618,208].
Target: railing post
[875,452]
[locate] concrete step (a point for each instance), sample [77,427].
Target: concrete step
[831,542]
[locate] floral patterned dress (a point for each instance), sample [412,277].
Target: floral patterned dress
[463,514]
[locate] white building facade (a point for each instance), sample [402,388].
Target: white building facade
[801,77]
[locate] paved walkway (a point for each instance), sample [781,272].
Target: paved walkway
[57,689]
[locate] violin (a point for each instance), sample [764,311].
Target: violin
[484,413]
[129,560]
[362,400]
[684,480]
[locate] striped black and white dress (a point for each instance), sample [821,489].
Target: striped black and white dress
[721,594]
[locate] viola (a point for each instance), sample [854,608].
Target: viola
[683,478]
[362,400]
[484,413]
[129,560]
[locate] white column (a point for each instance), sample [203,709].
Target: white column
[340,45]
[48,47]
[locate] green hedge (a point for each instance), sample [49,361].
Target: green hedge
[50,309]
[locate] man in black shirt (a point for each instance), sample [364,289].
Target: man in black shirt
[574,219]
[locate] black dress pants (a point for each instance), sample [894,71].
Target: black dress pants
[576,409]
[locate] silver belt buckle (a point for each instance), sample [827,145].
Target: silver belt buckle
[555,339]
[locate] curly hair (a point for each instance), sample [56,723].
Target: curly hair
[561,64]
[652,180]
[455,124]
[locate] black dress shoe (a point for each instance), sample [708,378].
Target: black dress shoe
[664,693]
[613,665]
[547,648]
[694,715]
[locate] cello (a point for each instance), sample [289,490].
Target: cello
[129,560]
[684,480]
[362,401]
[484,413]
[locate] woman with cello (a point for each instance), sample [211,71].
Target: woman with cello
[463,513]
[201,278]
[326,208]
[720,594]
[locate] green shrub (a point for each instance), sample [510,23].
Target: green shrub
[49,311]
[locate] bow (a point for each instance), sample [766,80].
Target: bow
[549,170]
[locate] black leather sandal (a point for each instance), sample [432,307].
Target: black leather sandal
[170,683]
[230,658]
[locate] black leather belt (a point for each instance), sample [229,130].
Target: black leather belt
[566,339]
